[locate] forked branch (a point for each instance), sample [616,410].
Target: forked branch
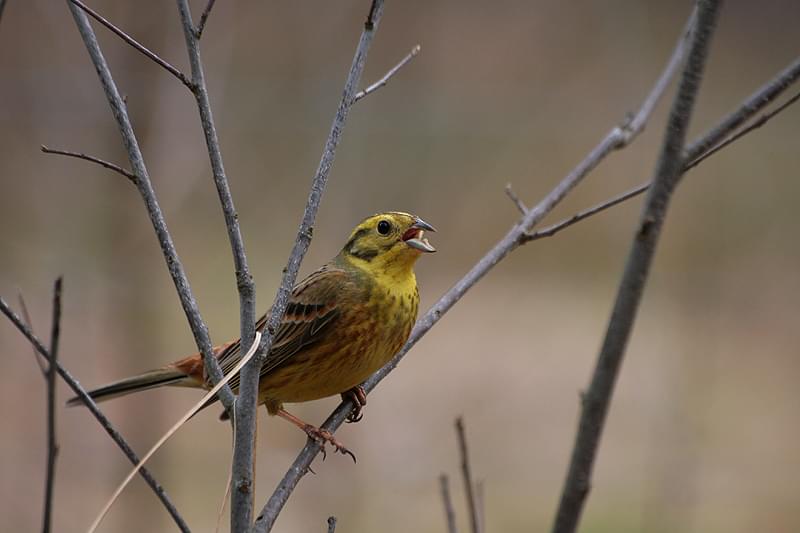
[617,138]
[101,418]
[513,239]
[134,43]
[668,172]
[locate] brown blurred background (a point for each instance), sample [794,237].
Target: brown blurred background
[702,434]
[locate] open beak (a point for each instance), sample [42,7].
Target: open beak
[413,236]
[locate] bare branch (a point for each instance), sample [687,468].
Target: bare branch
[52,444]
[469,487]
[28,322]
[250,373]
[2,6]
[549,231]
[143,184]
[447,502]
[639,120]
[615,139]
[695,154]
[523,209]
[667,175]
[133,42]
[385,79]
[331,524]
[763,119]
[103,163]
[101,418]
[198,32]
[244,440]
[480,503]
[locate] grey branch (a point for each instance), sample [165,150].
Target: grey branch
[272,508]
[480,502]
[43,366]
[145,188]
[617,138]
[244,441]
[466,473]
[198,32]
[52,444]
[447,502]
[521,207]
[133,42]
[763,119]
[667,175]
[385,79]
[549,231]
[101,418]
[705,146]
[331,524]
[102,162]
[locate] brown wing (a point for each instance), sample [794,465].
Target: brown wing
[312,310]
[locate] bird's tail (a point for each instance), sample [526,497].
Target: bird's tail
[159,377]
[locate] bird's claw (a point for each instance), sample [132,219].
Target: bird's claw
[323,436]
[358,396]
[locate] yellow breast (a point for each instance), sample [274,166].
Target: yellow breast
[370,331]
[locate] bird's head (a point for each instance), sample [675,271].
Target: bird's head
[392,240]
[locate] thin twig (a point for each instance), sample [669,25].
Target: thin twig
[385,79]
[2,6]
[670,166]
[103,163]
[447,502]
[198,32]
[101,418]
[763,119]
[469,487]
[480,503]
[145,188]
[331,524]
[549,231]
[52,444]
[758,100]
[521,207]
[244,444]
[273,506]
[133,42]
[28,322]
[614,139]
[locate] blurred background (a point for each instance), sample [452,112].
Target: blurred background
[702,434]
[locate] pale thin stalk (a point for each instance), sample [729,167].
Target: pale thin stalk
[189,414]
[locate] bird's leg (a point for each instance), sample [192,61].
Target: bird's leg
[321,436]
[358,396]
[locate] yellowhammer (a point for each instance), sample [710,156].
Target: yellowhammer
[342,323]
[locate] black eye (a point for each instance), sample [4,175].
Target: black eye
[384,227]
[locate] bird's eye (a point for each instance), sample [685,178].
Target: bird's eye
[384,227]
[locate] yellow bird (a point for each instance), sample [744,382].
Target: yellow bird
[342,323]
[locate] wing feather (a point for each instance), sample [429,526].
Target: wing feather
[311,311]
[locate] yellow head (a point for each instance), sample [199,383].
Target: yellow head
[389,242]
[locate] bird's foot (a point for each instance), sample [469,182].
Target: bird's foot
[358,396]
[323,436]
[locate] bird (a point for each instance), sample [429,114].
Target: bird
[343,322]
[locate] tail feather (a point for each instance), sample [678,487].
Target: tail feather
[149,380]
